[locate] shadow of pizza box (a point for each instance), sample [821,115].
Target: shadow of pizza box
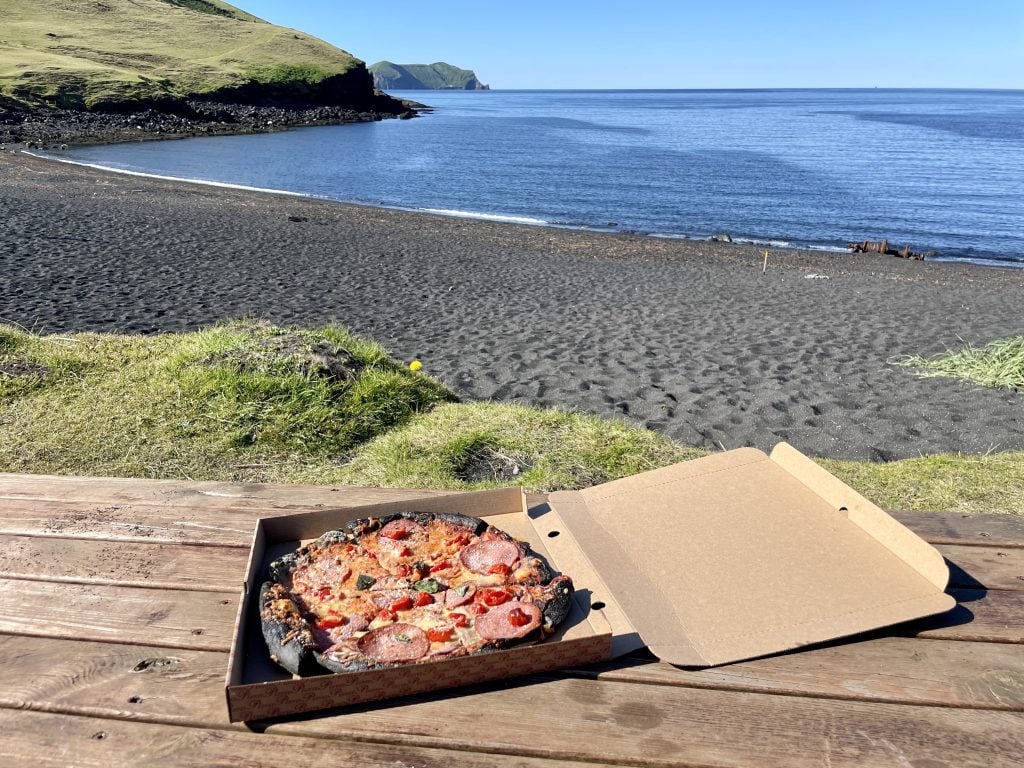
[720,559]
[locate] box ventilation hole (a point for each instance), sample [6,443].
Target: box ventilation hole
[552,534]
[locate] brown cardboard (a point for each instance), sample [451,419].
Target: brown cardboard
[258,689]
[739,554]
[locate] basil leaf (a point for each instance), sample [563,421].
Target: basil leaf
[421,567]
[461,591]
[402,638]
[430,585]
[364,581]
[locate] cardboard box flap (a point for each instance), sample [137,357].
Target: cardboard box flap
[890,533]
[737,555]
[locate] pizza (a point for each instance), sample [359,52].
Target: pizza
[406,589]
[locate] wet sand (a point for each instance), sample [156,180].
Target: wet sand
[686,337]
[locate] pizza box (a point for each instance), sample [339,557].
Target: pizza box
[257,689]
[724,558]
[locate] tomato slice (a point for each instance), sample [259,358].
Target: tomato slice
[323,593]
[403,603]
[500,568]
[459,619]
[492,596]
[476,609]
[385,615]
[395,534]
[440,566]
[517,617]
[402,570]
[423,598]
[330,622]
[440,634]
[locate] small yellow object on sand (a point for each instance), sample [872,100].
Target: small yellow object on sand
[415,365]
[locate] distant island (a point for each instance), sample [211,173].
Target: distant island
[439,76]
[124,69]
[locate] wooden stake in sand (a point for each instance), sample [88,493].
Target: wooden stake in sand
[765,266]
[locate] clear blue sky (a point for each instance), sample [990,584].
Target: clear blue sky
[678,44]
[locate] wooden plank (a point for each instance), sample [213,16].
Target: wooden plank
[661,725]
[168,618]
[935,527]
[993,616]
[171,685]
[977,530]
[165,566]
[110,559]
[112,491]
[185,685]
[579,719]
[886,669]
[37,740]
[192,619]
[975,567]
[127,522]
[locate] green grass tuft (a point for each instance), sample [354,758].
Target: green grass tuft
[212,404]
[486,445]
[997,364]
[945,482]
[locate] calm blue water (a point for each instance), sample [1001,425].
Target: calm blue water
[940,170]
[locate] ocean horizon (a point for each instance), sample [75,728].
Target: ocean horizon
[938,170]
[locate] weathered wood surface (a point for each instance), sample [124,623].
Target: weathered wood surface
[63,741]
[138,582]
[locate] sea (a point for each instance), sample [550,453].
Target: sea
[939,170]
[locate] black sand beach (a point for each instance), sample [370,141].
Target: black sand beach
[686,337]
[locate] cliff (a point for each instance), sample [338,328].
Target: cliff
[438,76]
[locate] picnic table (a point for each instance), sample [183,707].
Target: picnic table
[119,596]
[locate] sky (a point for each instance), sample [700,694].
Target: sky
[514,44]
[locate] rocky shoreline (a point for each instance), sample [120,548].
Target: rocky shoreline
[49,128]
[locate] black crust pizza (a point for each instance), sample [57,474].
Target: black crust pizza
[404,589]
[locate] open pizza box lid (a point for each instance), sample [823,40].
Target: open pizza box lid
[741,554]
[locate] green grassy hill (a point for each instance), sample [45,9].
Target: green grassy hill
[121,53]
[438,76]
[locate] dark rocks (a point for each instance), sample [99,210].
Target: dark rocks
[721,237]
[51,127]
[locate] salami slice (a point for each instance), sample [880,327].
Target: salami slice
[482,556]
[395,643]
[508,621]
[460,595]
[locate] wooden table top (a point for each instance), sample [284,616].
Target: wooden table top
[120,596]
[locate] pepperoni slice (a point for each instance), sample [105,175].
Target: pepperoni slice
[484,555]
[394,643]
[496,624]
[461,595]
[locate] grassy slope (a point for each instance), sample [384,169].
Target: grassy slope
[76,53]
[256,403]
